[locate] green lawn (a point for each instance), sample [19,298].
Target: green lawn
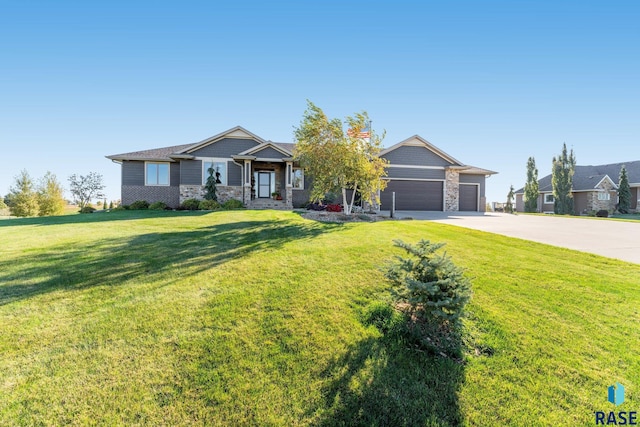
[255,318]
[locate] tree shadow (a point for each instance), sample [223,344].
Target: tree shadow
[387,381]
[98,216]
[110,262]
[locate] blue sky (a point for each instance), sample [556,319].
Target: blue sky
[489,82]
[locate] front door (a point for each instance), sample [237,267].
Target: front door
[264,185]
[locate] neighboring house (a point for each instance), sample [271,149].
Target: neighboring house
[251,169]
[594,188]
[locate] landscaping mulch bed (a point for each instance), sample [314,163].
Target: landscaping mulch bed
[325,216]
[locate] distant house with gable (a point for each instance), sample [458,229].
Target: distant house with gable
[594,188]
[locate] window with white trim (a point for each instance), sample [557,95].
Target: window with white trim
[156,173]
[602,195]
[219,171]
[297,179]
[548,198]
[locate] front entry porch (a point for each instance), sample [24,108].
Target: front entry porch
[266,185]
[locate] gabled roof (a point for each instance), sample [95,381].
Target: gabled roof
[587,178]
[418,141]
[288,146]
[168,154]
[264,145]
[235,132]
[155,154]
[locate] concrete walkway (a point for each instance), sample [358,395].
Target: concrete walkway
[613,239]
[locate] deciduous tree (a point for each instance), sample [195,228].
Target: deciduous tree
[339,161]
[563,169]
[50,196]
[624,191]
[531,188]
[85,188]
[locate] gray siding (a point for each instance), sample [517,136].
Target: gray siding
[132,173]
[226,147]
[474,179]
[174,178]
[234,174]
[300,198]
[415,156]
[191,172]
[580,203]
[269,153]
[415,173]
[519,203]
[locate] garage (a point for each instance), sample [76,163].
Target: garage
[468,197]
[413,195]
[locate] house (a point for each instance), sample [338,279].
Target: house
[594,188]
[251,169]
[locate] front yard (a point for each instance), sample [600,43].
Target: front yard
[256,318]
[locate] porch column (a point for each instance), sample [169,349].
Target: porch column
[289,186]
[246,198]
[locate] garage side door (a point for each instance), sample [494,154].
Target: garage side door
[413,195]
[468,197]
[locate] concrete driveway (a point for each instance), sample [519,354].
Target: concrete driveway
[613,239]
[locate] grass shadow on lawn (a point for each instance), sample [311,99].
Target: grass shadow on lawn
[386,381]
[110,262]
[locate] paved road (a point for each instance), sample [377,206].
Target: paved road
[613,239]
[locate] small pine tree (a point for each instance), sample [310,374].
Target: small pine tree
[111,205]
[531,188]
[104,204]
[624,192]
[509,205]
[210,186]
[434,287]
[23,199]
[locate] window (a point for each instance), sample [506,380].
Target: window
[219,168]
[548,198]
[604,195]
[157,174]
[297,179]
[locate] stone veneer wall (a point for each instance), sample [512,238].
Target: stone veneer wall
[596,205]
[289,198]
[451,191]
[224,192]
[593,204]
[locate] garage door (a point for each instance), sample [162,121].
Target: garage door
[468,197]
[413,195]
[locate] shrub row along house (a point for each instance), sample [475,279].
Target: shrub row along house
[594,188]
[253,170]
